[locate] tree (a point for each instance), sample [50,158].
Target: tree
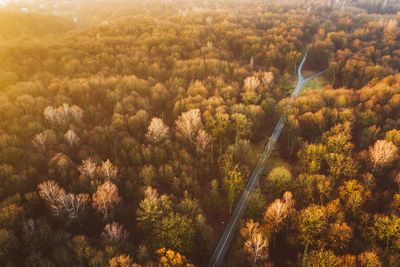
[313,224]
[49,114]
[157,130]
[280,179]
[242,125]
[168,257]
[69,206]
[387,230]
[107,171]
[311,157]
[72,206]
[233,184]
[202,141]
[71,138]
[40,141]
[255,245]
[188,124]
[353,195]
[339,235]
[250,95]
[105,199]
[368,259]
[76,113]
[256,207]
[85,254]
[383,153]
[88,168]
[11,215]
[393,136]
[217,126]
[337,139]
[369,136]
[197,88]
[114,234]
[63,115]
[174,231]
[278,211]
[152,208]
[323,258]
[51,192]
[341,166]
[121,261]
[8,245]
[268,78]
[251,83]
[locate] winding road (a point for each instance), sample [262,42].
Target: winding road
[230,230]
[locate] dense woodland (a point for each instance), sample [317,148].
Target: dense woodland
[128,139]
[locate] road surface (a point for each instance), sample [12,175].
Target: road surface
[230,230]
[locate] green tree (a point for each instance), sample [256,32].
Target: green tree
[217,125]
[341,166]
[393,136]
[233,184]
[387,231]
[323,258]
[313,224]
[152,208]
[311,157]
[280,178]
[174,231]
[242,125]
[353,196]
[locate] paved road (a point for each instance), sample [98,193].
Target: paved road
[223,244]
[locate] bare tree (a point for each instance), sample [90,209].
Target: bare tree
[69,206]
[50,191]
[383,153]
[251,83]
[157,131]
[72,206]
[63,115]
[76,113]
[257,247]
[49,114]
[189,123]
[268,78]
[278,211]
[287,198]
[40,141]
[88,168]
[64,109]
[150,193]
[59,115]
[71,138]
[107,170]
[114,233]
[106,199]
[202,141]
[255,244]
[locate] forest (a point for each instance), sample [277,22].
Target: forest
[127,139]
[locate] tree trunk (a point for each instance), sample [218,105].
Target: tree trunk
[305,255]
[220,146]
[212,152]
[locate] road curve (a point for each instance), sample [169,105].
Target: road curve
[229,232]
